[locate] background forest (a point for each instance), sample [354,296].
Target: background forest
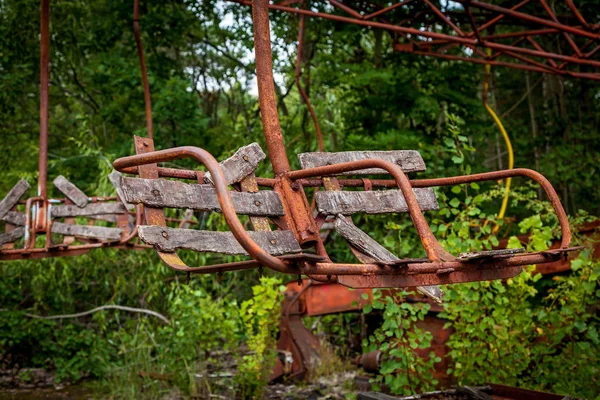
[532,331]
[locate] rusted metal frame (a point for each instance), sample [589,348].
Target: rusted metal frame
[40,220]
[576,12]
[145,83]
[444,18]
[586,55]
[435,252]
[304,95]
[223,195]
[496,19]
[472,22]
[347,9]
[530,18]
[496,175]
[528,60]
[565,34]
[535,32]
[387,9]
[540,48]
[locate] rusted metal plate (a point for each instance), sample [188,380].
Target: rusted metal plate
[96,209]
[11,236]
[15,218]
[408,160]
[13,197]
[71,191]
[425,279]
[370,247]
[170,239]
[241,164]
[175,194]
[333,298]
[87,231]
[372,202]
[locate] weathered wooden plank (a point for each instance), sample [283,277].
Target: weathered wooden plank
[372,202]
[90,209]
[72,192]
[187,218]
[115,179]
[500,253]
[170,239]
[13,197]
[248,184]
[87,231]
[241,164]
[15,218]
[175,194]
[11,236]
[408,160]
[370,247]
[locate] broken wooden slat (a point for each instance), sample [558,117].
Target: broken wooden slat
[13,197]
[175,194]
[115,179]
[12,235]
[187,218]
[90,209]
[471,256]
[15,218]
[248,184]
[87,231]
[170,239]
[408,160]
[372,202]
[72,192]
[370,247]
[241,164]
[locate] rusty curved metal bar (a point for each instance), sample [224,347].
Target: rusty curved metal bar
[435,251]
[223,195]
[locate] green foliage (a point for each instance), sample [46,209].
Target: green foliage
[260,316]
[398,338]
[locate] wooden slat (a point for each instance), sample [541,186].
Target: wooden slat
[372,202]
[170,239]
[90,209]
[115,179]
[15,218]
[241,164]
[370,247]
[87,231]
[13,197]
[175,194]
[408,160]
[11,236]
[187,217]
[71,191]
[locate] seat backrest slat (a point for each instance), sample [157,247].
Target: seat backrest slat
[170,239]
[408,160]
[372,202]
[11,236]
[71,191]
[13,197]
[175,194]
[90,209]
[241,164]
[87,231]
[15,218]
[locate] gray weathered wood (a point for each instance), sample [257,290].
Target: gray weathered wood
[115,179]
[372,202]
[170,239]
[87,231]
[241,164]
[370,247]
[11,236]
[500,253]
[175,194]
[72,192]
[90,209]
[13,197]
[15,218]
[408,160]
[187,218]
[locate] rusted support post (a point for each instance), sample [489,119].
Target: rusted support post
[140,50]
[40,222]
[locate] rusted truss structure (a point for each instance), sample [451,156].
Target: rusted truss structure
[530,35]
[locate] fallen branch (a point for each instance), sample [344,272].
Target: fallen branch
[106,307]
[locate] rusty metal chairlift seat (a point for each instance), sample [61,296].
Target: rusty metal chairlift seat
[288,206]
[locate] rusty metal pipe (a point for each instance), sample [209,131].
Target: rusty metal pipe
[40,222]
[223,195]
[145,83]
[435,252]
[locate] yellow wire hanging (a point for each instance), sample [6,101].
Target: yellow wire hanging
[509,148]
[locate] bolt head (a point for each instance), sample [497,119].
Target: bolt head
[155,192]
[273,241]
[245,158]
[257,203]
[165,234]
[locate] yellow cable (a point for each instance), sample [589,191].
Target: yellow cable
[511,158]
